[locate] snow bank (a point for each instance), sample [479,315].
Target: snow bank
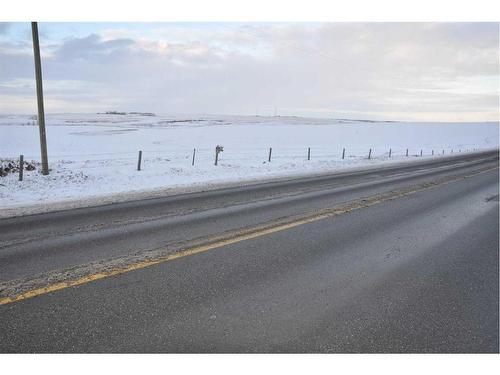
[96,155]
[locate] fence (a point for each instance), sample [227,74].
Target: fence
[239,156]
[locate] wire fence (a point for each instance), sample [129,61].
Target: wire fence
[240,156]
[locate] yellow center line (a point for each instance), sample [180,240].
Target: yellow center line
[238,236]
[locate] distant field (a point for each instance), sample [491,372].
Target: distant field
[95,154]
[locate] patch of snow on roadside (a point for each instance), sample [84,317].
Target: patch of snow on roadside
[96,155]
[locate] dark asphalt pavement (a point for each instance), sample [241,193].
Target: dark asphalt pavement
[419,273]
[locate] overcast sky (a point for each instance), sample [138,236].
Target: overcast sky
[398,71]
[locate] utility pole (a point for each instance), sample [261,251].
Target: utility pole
[39,96]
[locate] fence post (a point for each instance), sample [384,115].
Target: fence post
[309,153]
[343,153]
[139,161]
[194,153]
[390,152]
[21,167]
[370,154]
[218,149]
[420,152]
[432,152]
[443,152]
[270,152]
[406,152]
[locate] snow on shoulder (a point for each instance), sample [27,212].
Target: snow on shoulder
[93,157]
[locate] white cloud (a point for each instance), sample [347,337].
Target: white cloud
[394,71]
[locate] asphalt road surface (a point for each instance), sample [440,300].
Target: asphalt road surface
[396,259]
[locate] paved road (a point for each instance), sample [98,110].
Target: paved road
[408,264]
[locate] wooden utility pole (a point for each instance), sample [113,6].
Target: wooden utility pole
[39,96]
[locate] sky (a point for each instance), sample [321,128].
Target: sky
[379,71]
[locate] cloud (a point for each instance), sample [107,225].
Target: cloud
[414,71]
[91,48]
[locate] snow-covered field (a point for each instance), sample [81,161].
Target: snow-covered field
[95,155]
